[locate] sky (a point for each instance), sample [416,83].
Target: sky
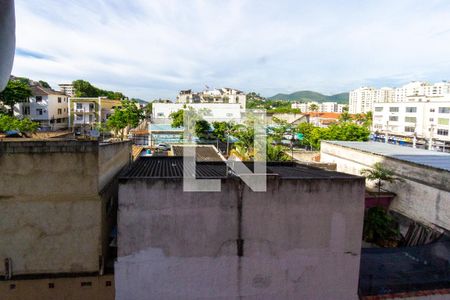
[153,49]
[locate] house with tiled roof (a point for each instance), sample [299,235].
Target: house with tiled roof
[46,106]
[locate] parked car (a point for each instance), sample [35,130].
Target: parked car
[163,147]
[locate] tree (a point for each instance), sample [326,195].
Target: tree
[148,109]
[44,84]
[222,130]
[128,115]
[379,226]
[202,128]
[345,117]
[16,91]
[177,118]
[8,123]
[313,107]
[84,88]
[379,174]
[276,153]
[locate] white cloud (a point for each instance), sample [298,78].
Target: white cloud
[151,49]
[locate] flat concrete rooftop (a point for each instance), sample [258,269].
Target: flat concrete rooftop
[433,159]
[172,167]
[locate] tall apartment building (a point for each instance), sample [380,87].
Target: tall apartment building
[67,88]
[362,99]
[425,120]
[46,106]
[222,95]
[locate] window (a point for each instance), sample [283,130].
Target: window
[393,118]
[444,110]
[410,119]
[411,109]
[229,114]
[442,131]
[431,109]
[38,98]
[79,105]
[393,109]
[160,114]
[59,99]
[59,111]
[378,108]
[79,117]
[409,129]
[442,121]
[39,111]
[431,119]
[25,110]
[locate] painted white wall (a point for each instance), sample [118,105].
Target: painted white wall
[218,111]
[423,196]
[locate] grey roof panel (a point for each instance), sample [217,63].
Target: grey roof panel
[434,159]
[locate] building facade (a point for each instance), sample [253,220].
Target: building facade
[57,207]
[67,89]
[210,111]
[89,112]
[322,107]
[222,95]
[46,106]
[301,239]
[415,119]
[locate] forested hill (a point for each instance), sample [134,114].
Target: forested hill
[307,96]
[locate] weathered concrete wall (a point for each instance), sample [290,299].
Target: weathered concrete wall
[301,240]
[424,195]
[87,288]
[112,157]
[51,210]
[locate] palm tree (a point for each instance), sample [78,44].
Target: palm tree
[345,117]
[379,174]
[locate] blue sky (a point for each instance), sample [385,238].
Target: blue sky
[152,49]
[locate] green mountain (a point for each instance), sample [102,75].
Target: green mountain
[306,96]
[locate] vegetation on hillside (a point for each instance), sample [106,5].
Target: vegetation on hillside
[84,88]
[310,96]
[255,101]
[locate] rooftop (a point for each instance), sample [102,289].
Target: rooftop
[172,167]
[433,159]
[202,153]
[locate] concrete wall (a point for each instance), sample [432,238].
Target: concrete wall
[51,208]
[86,288]
[424,195]
[299,240]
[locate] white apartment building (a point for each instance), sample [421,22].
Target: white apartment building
[87,112]
[323,107]
[67,89]
[328,107]
[222,95]
[210,111]
[341,107]
[425,120]
[362,99]
[46,106]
